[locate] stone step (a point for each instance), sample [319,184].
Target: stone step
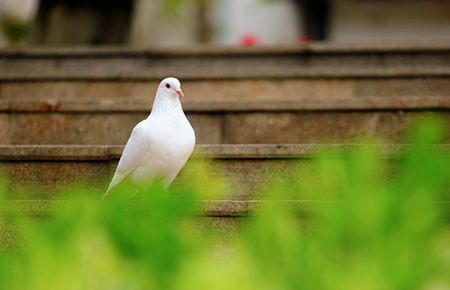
[227,88]
[39,172]
[300,71]
[315,60]
[219,121]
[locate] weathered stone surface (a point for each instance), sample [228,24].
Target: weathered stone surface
[245,151]
[4,129]
[234,95]
[95,128]
[216,127]
[208,128]
[194,63]
[78,89]
[236,121]
[55,128]
[230,89]
[44,178]
[319,127]
[394,87]
[140,105]
[41,171]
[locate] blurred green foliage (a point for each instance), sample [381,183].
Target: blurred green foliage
[369,230]
[15,30]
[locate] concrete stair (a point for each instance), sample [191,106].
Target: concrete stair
[40,172]
[231,63]
[48,169]
[315,97]
[216,121]
[304,94]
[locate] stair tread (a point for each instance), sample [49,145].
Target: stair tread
[187,73]
[219,151]
[205,49]
[312,61]
[100,105]
[44,171]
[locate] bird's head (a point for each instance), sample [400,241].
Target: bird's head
[170,87]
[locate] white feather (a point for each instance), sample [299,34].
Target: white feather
[160,145]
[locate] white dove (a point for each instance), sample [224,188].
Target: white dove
[160,145]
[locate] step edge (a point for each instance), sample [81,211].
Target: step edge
[143,105]
[82,153]
[385,47]
[325,73]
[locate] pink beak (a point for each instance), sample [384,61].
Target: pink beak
[179,92]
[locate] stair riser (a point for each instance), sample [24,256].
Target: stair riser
[214,127]
[42,171]
[278,64]
[233,89]
[44,179]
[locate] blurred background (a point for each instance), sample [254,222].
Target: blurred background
[224,22]
[358,217]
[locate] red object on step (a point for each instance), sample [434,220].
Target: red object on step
[249,40]
[305,39]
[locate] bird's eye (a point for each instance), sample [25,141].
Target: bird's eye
[168,86]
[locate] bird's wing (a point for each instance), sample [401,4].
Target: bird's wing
[134,155]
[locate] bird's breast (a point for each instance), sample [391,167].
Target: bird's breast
[173,143]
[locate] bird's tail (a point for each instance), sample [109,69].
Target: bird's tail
[117,178]
[106,194]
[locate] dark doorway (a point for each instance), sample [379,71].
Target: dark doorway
[71,22]
[315,16]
